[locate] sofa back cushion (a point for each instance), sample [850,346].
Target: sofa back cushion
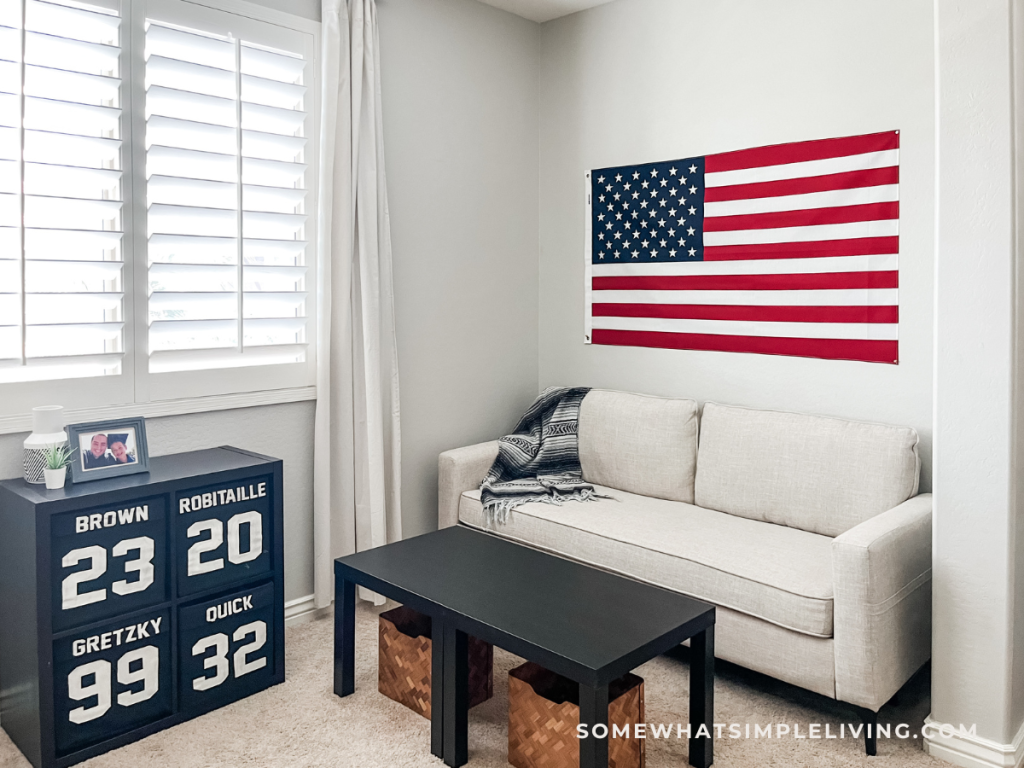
[639,443]
[818,474]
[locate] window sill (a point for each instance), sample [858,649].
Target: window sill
[23,422]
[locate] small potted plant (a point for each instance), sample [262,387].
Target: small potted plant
[57,458]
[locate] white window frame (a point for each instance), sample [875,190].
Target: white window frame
[136,391]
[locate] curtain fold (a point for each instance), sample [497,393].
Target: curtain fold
[357,440]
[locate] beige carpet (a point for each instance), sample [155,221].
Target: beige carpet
[301,722]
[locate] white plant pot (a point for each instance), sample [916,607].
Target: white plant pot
[55,478]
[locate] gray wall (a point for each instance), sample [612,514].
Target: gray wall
[283,431]
[642,80]
[460,139]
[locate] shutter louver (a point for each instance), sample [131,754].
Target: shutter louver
[61,259]
[226,192]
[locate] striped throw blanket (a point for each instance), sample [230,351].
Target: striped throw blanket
[540,460]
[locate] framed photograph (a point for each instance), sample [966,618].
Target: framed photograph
[102,449]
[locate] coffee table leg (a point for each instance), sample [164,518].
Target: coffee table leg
[702,697]
[437,688]
[344,636]
[594,713]
[456,697]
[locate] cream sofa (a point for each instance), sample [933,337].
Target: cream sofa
[806,531]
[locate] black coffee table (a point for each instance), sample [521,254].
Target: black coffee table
[586,624]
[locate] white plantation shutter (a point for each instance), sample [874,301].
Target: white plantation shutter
[61,246]
[226,143]
[157,188]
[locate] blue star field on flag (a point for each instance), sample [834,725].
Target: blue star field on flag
[649,212]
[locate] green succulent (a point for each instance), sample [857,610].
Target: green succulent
[57,456]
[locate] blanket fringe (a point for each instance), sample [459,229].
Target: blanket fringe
[498,511]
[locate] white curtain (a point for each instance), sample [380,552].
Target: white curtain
[357,449]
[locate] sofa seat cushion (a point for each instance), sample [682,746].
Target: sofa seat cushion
[779,574]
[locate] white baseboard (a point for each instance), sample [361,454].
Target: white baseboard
[299,611]
[971,751]
[303,609]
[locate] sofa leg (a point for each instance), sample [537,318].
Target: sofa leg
[870,720]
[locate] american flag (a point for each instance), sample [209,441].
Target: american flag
[785,250]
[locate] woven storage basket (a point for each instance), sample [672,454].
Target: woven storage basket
[403,661]
[543,712]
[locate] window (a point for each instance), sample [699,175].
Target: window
[157,186]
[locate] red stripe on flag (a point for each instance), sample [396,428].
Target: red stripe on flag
[799,282]
[751,313]
[876,177]
[868,351]
[856,246]
[807,218]
[801,151]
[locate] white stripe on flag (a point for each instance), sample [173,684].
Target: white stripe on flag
[832,199]
[887,262]
[872,331]
[862,162]
[846,231]
[846,297]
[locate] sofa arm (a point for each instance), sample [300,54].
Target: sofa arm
[458,471]
[881,573]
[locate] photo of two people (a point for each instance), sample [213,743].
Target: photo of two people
[107,449]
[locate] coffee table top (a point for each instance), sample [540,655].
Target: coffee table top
[582,622]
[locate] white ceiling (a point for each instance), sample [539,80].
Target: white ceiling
[543,10]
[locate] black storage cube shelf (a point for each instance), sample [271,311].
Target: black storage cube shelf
[131,604]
